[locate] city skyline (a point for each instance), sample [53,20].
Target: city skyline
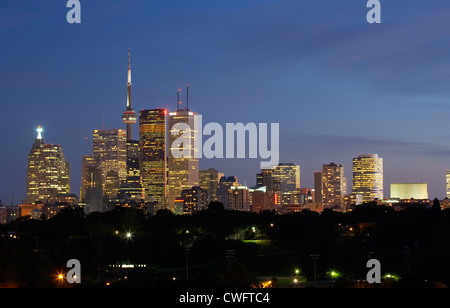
[396,115]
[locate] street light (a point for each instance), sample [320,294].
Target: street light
[334,274]
[315,257]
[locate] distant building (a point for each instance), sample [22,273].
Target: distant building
[239,199]
[184,170]
[368,177]
[318,186]
[195,199]
[91,192]
[334,186]
[8,214]
[209,181]
[447,179]
[351,200]
[153,155]
[409,191]
[225,184]
[48,172]
[32,210]
[282,178]
[110,150]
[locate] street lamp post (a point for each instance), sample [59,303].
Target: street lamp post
[315,257]
[187,248]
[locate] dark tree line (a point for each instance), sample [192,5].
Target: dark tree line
[414,243]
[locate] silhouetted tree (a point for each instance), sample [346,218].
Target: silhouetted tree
[436,207]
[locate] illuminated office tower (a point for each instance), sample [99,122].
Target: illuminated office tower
[110,148]
[133,156]
[283,178]
[131,188]
[184,170]
[368,177]
[209,181]
[194,200]
[153,155]
[48,173]
[286,177]
[334,185]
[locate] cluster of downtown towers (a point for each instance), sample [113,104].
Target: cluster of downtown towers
[144,173]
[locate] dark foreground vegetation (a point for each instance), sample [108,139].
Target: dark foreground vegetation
[228,249]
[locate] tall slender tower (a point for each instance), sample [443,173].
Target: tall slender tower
[129,116]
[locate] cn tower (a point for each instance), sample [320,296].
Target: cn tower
[129,116]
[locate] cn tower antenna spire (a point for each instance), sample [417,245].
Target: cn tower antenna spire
[129,67]
[129,116]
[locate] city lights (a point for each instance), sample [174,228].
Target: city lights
[312,152]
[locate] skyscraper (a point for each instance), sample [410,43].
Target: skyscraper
[129,116]
[184,170]
[91,191]
[209,181]
[318,186]
[334,185]
[110,149]
[48,172]
[368,177]
[153,155]
[283,178]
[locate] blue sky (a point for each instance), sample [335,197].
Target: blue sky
[337,85]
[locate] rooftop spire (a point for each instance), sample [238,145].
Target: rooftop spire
[129,116]
[39,131]
[129,66]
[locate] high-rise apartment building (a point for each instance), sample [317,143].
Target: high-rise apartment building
[368,177]
[48,173]
[239,199]
[334,185]
[153,155]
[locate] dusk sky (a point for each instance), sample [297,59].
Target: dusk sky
[337,85]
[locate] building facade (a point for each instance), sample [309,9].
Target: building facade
[334,185]
[368,177]
[209,181]
[153,155]
[48,173]
[183,171]
[110,151]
